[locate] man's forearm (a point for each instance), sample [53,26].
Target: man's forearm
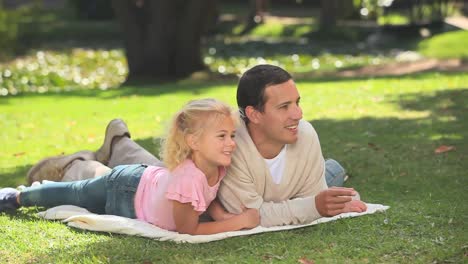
[290,212]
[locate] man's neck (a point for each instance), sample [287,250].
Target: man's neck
[267,148]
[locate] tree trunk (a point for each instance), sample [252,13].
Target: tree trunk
[328,14]
[346,9]
[258,10]
[162,38]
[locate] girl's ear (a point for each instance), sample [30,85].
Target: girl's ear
[191,141]
[252,114]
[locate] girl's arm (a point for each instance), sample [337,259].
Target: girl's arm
[186,221]
[217,211]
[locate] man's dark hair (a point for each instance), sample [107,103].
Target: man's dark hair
[252,85]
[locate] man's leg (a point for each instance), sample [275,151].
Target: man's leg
[127,151]
[84,169]
[54,168]
[335,174]
[119,149]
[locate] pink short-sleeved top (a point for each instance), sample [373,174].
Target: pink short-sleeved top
[186,184]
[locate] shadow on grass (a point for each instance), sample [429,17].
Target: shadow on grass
[131,249]
[389,156]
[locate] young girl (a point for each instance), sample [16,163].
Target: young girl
[196,152]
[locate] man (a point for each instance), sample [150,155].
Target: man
[277,168]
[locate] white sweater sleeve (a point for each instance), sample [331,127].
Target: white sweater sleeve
[289,212]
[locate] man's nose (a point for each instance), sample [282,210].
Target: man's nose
[296,112]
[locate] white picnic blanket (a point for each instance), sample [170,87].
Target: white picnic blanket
[81,218]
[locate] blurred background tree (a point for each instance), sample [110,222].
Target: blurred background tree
[162,38]
[172,39]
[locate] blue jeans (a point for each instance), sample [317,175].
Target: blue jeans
[334,173]
[112,193]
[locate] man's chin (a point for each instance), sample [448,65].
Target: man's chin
[292,140]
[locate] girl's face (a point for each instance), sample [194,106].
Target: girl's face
[215,145]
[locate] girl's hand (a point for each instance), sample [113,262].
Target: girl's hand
[187,221]
[250,218]
[217,211]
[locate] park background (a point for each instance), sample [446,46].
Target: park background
[383,82]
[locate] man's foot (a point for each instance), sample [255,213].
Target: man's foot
[115,128]
[54,168]
[8,199]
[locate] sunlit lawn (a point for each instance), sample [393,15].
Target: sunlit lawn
[383,130]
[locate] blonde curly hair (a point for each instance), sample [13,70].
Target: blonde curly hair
[191,120]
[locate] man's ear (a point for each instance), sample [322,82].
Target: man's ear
[191,141]
[252,114]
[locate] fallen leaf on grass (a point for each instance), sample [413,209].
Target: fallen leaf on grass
[373,146]
[305,261]
[443,149]
[91,138]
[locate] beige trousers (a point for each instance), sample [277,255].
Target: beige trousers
[124,151]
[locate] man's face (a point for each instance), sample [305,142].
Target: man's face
[280,118]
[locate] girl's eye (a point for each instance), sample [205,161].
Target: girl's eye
[233,136]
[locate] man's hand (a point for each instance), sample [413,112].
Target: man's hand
[355,206]
[337,200]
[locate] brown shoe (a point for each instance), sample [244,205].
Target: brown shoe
[115,128]
[54,168]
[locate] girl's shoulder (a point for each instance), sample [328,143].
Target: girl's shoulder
[187,169]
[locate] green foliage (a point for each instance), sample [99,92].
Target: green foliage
[8,31]
[45,71]
[384,130]
[92,9]
[446,45]
[15,25]
[301,62]
[277,29]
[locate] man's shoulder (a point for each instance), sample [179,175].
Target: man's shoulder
[306,130]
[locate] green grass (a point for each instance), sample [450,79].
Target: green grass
[446,45]
[384,131]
